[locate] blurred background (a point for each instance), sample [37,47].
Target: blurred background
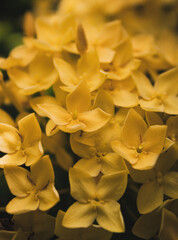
[11,18]
[152,16]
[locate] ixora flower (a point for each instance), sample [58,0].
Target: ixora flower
[104,38]
[97,155]
[123,92]
[20,56]
[22,145]
[123,63]
[162,220]
[37,222]
[54,32]
[33,190]
[96,200]
[90,233]
[39,75]
[140,145]
[162,97]
[157,182]
[78,115]
[88,69]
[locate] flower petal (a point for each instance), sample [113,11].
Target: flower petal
[154,138]
[82,149]
[94,119]
[22,205]
[150,196]
[169,223]
[147,225]
[10,140]
[33,153]
[21,78]
[112,186]
[105,54]
[127,153]
[90,233]
[79,215]
[146,160]
[170,184]
[56,113]
[124,54]
[167,80]
[92,165]
[111,163]
[17,180]
[66,72]
[133,129]
[111,34]
[79,100]
[41,100]
[171,105]
[104,101]
[51,128]
[83,186]
[143,84]
[17,158]
[73,126]
[110,217]
[29,129]
[48,197]
[42,172]
[153,105]
[124,98]
[88,65]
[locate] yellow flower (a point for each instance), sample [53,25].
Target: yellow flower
[162,97]
[123,63]
[122,92]
[87,69]
[156,182]
[90,233]
[96,201]
[140,145]
[162,221]
[20,56]
[103,37]
[39,75]
[38,223]
[97,155]
[34,189]
[78,115]
[54,32]
[23,145]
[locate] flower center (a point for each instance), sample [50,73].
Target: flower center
[140,149]
[75,115]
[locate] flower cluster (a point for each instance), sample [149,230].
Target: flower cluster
[97,98]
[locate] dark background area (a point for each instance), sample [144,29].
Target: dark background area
[11,16]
